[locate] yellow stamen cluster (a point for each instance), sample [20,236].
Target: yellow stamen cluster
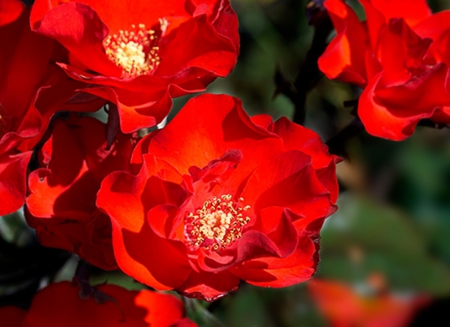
[217,224]
[135,51]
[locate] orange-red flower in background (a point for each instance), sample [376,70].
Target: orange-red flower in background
[60,304]
[61,205]
[139,55]
[343,306]
[219,198]
[399,56]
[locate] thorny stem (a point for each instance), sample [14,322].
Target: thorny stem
[309,73]
[81,278]
[336,144]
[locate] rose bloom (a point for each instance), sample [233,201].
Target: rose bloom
[140,55]
[31,91]
[20,123]
[61,204]
[60,304]
[399,56]
[220,198]
[343,306]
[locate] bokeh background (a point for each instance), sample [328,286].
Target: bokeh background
[390,238]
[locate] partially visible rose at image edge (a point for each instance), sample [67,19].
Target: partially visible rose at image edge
[398,56]
[60,304]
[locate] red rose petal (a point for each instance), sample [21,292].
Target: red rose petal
[413,13]
[79,29]
[228,115]
[20,73]
[191,36]
[288,180]
[343,59]
[151,266]
[209,286]
[60,305]
[297,137]
[393,113]
[280,272]
[10,10]
[12,316]
[13,170]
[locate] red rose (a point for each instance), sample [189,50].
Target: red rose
[60,304]
[61,205]
[11,316]
[20,123]
[139,56]
[399,56]
[343,306]
[31,91]
[221,197]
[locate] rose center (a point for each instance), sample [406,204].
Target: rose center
[217,224]
[135,51]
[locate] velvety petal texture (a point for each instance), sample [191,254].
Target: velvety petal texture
[399,56]
[142,58]
[60,304]
[61,204]
[220,197]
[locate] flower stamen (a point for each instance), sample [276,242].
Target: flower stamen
[135,51]
[217,224]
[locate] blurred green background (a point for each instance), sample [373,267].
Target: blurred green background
[394,206]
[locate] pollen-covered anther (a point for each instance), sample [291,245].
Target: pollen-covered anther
[217,224]
[135,51]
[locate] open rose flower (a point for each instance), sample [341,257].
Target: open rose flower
[220,198]
[31,91]
[343,306]
[60,304]
[139,56]
[61,205]
[399,56]
[20,122]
